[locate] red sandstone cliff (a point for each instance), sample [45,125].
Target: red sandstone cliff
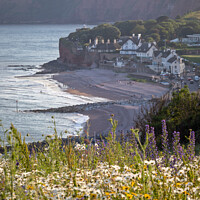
[86,11]
[75,58]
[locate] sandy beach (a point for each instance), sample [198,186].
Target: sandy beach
[111,86]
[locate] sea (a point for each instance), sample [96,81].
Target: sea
[23,49]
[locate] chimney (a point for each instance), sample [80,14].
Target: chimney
[102,41]
[139,36]
[96,41]
[90,41]
[115,41]
[108,41]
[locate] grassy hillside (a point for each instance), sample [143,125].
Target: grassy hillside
[192,15]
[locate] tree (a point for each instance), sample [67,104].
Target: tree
[106,31]
[126,27]
[181,114]
[138,29]
[162,19]
[155,36]
[150,23]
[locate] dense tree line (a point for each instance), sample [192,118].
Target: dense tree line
[159,30]
[103,31]
[163,28]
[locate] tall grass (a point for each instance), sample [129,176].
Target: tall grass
[106,169]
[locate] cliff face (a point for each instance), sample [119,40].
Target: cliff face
[74,58]
[88,11]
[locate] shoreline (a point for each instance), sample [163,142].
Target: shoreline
[112,86]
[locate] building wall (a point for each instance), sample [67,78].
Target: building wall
[129,45]
[177,67]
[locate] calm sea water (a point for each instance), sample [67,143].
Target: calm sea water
[23,48]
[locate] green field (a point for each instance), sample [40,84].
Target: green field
[192,58]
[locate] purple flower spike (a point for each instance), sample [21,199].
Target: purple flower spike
[165,143]
[191,146]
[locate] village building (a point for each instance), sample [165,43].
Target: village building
[146,50]
[176,65]
[130,44]
[167,61]
[190,40]
[104,47]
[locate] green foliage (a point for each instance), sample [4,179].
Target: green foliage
[192,58]
[136,79]
[192,15]
[161,29]
[126,28]
[111,169]
[181,114]
[139,29]
[158,30]
[105,31]
[82,35]
[162,19]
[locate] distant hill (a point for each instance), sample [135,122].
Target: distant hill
[90,11]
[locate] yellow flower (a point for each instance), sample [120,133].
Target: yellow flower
[178,185]
[132,183]
[133,193]
[125,188]
[93,195]
[107,193]
[145,167]
[129,196]
[147,196]
[80,196]
[186,193]
[29,187]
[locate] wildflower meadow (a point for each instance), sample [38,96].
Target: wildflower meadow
[124,168]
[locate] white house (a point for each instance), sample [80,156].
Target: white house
[130,44]
[146,50]
[190,39]
[176,65]
[167,61]
[160,59]
[166,55]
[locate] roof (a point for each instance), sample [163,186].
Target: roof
[171,60]
[165,54]
[145,47]
[157,53]
[105,46]
[124,39]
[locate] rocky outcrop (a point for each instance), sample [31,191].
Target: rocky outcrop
[90,11]
[72,57]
